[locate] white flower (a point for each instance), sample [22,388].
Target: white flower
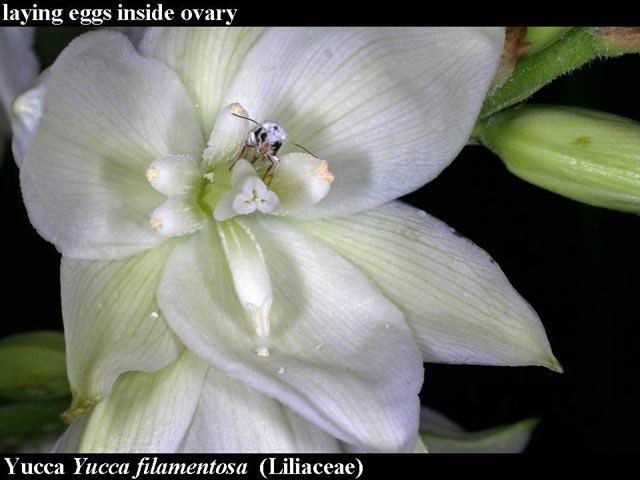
[18,69]
[306,302]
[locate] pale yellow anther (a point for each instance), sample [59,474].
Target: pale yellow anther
[236,109]
[227,139]
[152,174]
[156,223]
[323,172]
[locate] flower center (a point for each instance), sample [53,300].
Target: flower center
[238,174]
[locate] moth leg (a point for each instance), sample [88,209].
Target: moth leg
[243,154]
[274,164]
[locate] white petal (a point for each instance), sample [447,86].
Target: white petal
[108,114]
[18,65]
[233,418]
[27,109]
[340,355]
[178,216]
[388,108]
[457,301]
[174,175]
[441,435]
[301,182]
[135,34]
[112,322]
[69,441]
[249,272]
[206,59]
[18,68]
[26,115]
[146,412]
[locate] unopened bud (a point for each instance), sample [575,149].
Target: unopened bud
[540,38]
[590,156]
[32,367]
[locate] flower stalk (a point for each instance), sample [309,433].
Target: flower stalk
[578,47]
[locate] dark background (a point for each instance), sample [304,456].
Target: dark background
[577,265]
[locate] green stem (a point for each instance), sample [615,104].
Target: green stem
[577,47]
[532,73]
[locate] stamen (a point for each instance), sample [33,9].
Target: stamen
[227,138]
[174,175]
[261,320]
[156,223]
[152,174]
[302,182]
[178,216]
[249,272]
[323,172]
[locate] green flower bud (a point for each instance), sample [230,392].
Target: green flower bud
[540,38]
[23,425]
[32,366]
[586,155]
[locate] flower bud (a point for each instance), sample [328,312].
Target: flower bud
[586,155]
[28,427]
[32,367]
[540,38]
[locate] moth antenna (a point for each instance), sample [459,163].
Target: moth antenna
[247,118]
[310,153]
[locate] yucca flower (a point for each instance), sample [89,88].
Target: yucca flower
[211,305]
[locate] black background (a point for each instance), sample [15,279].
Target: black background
[577,265]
